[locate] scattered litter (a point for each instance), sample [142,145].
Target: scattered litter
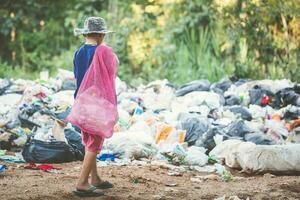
[225,174]
[43,167]
[230,198]
[11,159]
[196,126]
[207,177]
[171,184]
[196,180]
[3,168]
[2,152]
[196,156]
[175,173]
[106,157]
[268,158]
[268,175]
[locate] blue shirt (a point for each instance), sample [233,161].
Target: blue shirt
[82,60]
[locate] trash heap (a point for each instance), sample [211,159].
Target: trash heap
[246,124]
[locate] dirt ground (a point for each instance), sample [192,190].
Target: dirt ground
[143,182]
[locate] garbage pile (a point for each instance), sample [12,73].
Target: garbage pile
[30,120]
[197,124]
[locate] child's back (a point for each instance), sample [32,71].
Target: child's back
[82,60]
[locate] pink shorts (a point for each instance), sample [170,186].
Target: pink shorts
[92,143]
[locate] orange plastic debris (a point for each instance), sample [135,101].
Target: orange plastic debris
[181,137]
[276,118]
[163,132]
[292,125]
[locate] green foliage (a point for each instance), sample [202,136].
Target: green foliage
[180,40]
[267,33]
[6,70]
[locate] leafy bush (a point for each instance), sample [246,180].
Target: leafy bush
[180,40]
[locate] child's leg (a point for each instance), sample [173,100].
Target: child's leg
[95,179]
[88,164]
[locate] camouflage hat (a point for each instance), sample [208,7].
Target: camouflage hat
[92,25]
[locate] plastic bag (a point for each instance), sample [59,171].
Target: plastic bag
[276,130]
[196,156]
[95,108]
[238,130]
[74,140]
[259,138]
[131,145]
[222,85]
[211,99]
[232,100]
[163,132]
[245,114]
[199,85]
[259,158]
[37,151]
[195,128]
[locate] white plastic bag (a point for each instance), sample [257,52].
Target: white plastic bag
[196,156]
[259,158]
[131,145]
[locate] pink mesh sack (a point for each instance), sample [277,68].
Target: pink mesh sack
[95,108]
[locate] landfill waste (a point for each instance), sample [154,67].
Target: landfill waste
[36,151]
[252,158]
[3,168]
[43,167]
[106,155]
[196,156]
[200,85]
[2,152]
[230,198]
[225,174]
[11,159]
[196,125]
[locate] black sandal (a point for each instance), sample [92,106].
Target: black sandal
[104,185]
[88,193]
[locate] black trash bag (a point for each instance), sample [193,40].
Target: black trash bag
[13,124]
[74,140]
[47,112]
[194,128]
[297,88]
[7,145]
[217,90]
[238,82]
[29,110]
[4,85]
[36,151]
[207,139]
[223,86]
[237,130]
[259,138]
[245,114]
[26,123]
[257,93]
[291,115]
[287,96]
[232,100]
[199,85]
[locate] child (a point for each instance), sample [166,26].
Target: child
[94,31]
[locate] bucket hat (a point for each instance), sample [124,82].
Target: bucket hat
[92,25]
